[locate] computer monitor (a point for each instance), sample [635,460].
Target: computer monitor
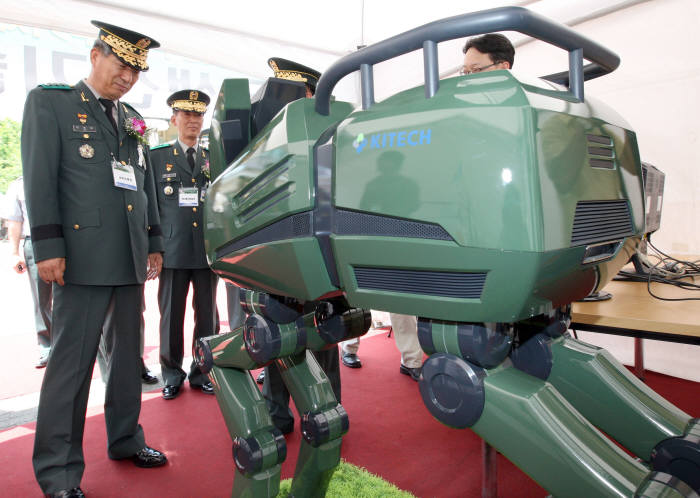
[653,196]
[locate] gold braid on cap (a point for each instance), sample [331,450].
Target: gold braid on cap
[189,105]
[291,75]
[127,51]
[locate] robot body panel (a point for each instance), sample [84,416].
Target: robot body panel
[292,267]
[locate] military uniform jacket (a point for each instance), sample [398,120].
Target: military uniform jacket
[182,225]
[104,232]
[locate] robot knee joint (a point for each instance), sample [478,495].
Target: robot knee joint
[323,426]
[452,390]
[680,456]
[259,452]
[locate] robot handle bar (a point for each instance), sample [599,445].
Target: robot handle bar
[603,61]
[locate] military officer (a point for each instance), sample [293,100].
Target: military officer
[96,235]
[181,171]
[275,391]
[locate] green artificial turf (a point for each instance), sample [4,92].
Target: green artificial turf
[350,481]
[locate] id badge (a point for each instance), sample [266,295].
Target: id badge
[188,196]
[124,176]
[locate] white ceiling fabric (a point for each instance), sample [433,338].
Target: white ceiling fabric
[241,36]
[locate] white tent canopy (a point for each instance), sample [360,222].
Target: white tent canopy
[241,36]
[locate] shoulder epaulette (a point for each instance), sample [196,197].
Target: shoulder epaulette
[129,107]
[55,86]
[161,146]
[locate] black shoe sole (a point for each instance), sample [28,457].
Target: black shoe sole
[172,396]
[199,387]
[352,365]
[405,370]
[142,465]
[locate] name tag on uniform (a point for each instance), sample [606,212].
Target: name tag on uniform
[85,128]
[188,196]
[123,175]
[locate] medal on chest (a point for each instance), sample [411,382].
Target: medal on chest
[86,151]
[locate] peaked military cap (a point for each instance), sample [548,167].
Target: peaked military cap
[290,70]
[129,46]
[189,100]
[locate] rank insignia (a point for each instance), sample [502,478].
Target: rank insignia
[86,151]
[168,166]
[82,118]
[83,98]
[168,190]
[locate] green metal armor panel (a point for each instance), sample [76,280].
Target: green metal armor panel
[501,165]
[509,186]
[271,179]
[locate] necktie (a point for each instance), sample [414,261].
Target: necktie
[109,106]
[190,158]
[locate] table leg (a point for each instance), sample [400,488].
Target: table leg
[639,357]
[489,478]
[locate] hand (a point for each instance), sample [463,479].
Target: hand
[155,263]
[51,270]
[20,266]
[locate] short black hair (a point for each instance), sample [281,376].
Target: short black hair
[102,46]
[497,47]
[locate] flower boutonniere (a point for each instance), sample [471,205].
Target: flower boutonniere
[205,169]
[136,128]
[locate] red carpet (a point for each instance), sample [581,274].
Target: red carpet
[391,434]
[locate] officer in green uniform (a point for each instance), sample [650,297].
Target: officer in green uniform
[181,172]
[96,235]
[274,390]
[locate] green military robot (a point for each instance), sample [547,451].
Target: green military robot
[526,196]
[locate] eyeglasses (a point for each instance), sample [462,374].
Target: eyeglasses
[464,71]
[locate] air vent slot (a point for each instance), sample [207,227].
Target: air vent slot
[291,227]
[356,223]
[599,221]
[601,153]
[431,283]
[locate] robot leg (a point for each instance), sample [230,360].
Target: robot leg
[526,418]
[259,448]
[323,423]
[615,401]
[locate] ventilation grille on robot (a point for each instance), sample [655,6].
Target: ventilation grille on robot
[598,221]
[601,153]
[431,283]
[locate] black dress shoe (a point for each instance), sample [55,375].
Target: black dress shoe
[148,378]
[67,493]
[148,457]
[413,373]
[171,392]
[207,387]
[261,377]
[351,360]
